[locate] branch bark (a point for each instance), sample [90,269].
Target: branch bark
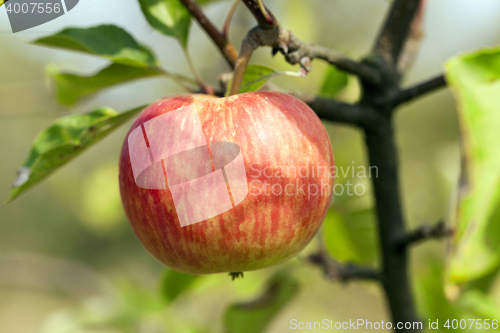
[421,89]
[227,49]
[335,271]
[425,232]
[382,154]
[394,33]
[340,112]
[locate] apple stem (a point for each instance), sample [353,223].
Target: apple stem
[241,65]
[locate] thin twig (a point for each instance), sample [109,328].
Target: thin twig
[207,89]
[425,232]
[337,111]
[335,271]
[227,49]
[421,89]
[230,14]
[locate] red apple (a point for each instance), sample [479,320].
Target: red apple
[276,175]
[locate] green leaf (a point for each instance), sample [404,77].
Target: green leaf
[254,78]
[65,139]
[203,2]
[174,283]
[108,41]
[480,305]
[475,81]
[169,17]
[430,295]
[334,82]
[70,88]
[349,229]
[255,316]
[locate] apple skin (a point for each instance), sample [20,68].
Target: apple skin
[273,130]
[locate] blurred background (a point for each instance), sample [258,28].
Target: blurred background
[69,262]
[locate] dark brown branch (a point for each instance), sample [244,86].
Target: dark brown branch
[227,49]
[425,232]
[341,112]
[413,40]
[383,154]
[393,36]
[344,273]
[265,19]
[420,89]
[297,51]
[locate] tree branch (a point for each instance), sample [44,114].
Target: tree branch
[227,49]
[264,17]
[420,89]
[413,40]
[340,112]
[334,271]
[425,232]
[382,154]
[391,39]
[296,51]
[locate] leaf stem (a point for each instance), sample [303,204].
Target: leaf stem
[196,74]
[230,14]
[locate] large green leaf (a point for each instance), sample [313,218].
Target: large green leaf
[169,17]
[475,81]
[70,88]
[333,82]
[255,316]
[174,283]
[65,139]
[108,41]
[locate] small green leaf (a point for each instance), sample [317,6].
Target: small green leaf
[174,283]
[475,79]
[254,78]
[70,88]
[255,316]
[65,139]
[169,17]
[333,82]
[108,41]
